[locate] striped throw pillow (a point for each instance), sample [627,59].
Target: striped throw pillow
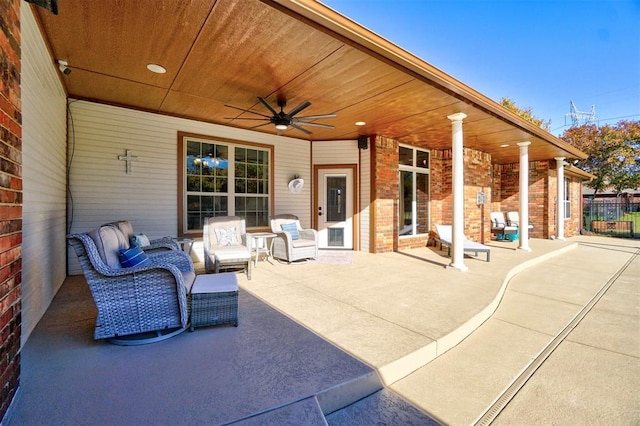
[133,256]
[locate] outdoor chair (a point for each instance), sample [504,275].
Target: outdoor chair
[513,219]
[500,229]
[137,304]
[159,244]
[226,244]
[292,241]
[445,237]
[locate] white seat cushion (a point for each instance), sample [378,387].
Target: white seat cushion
[230,252]
[215,283]
[303,243]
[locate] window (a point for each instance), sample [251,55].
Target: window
[567,198]
[413,165]
[224,178]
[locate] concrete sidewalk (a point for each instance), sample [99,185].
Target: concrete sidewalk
[592,377]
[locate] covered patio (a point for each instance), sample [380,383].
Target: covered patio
[93,135]
[312,338]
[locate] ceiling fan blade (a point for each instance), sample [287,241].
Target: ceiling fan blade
[317,117]
[300,128]
[247,110]
[304,123]
[269,107]
[245,118]
[259,125]
[299,108]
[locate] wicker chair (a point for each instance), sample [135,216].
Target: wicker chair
[159,244]
[286,246]
[139,304]
[226,244]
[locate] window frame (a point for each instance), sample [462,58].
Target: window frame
[567,198]
[415,170]
[232,144]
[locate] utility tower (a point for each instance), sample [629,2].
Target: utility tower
[578,118]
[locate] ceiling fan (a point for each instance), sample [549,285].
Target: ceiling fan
[284,120]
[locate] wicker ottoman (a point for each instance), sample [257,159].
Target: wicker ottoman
[214,300]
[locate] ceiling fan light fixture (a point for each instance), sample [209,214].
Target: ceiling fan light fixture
[281,126]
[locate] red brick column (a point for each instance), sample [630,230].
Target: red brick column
[10,201]
[384,194]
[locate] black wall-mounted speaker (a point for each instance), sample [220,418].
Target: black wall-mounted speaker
[363,142]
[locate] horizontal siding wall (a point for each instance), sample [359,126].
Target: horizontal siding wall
[335,152]
[365,199]
[292,159]
[102,191]
[44,136]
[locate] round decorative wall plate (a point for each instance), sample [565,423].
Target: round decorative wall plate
[296,185]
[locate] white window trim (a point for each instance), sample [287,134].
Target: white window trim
[231,144]
[415,170]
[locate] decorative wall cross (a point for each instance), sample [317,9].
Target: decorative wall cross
[128,158]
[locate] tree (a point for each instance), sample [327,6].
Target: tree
[526,113]
[614,154]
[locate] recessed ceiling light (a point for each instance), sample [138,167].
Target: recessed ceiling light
[360,123]
[158,69]
[504,145]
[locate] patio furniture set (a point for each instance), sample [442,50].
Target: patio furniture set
[147,290]
[504,226]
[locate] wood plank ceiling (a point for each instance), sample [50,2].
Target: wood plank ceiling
[229,52]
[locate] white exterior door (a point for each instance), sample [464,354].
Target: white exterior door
[335,203]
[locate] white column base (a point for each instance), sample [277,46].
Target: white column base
[459,267]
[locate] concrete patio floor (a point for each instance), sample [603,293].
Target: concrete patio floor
[310,334]
[396,311]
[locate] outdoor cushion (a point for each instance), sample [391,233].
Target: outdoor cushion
[140,240]
[303,243]
[125,227]
[226,236]
[292,229]
[133,256]
[109,240]
[231,252]
[188,277]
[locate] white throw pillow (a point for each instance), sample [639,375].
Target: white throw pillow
[226,236]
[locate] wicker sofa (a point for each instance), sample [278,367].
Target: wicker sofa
[159,244]
[139,304]
[286,246]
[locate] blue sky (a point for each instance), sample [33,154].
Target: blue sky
[541,54]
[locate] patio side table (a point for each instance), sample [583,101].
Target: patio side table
[185,243]
[261,244]
[214,300]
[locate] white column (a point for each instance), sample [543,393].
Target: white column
[457,252]
[560,200]
[524,196]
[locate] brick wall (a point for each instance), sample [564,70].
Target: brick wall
[507,193]
[10,201]
[384,194]
[573,224]
[477,178]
